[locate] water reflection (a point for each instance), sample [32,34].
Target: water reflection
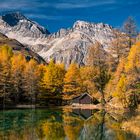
[83,113]
[63,124]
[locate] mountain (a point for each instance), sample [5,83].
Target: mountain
[72,45]
[17,47]
[15,25]
[66,45]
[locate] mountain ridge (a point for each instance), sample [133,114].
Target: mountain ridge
[73,44]
[66,45]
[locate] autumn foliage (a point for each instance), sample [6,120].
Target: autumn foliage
[27,81]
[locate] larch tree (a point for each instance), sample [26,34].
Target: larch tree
[31,75]
[97,59]
[119,47]
[88,74]
[128,86]
[5,72]
[115,77]
[72,80]
[52,81]
[121,90]
[130,28]
[132,70]
[18,64]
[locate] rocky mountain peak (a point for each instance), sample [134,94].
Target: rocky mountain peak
[61,33]
[12,19]
[65,46]
[16,21]
[83,25]
[16,26]
[72,45]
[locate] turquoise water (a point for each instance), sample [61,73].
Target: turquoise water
[62,124]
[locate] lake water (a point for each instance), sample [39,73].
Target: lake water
[63,124]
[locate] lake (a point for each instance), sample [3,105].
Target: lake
[63,124]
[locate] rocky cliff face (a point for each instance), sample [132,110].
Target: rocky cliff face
[17,26]
[65,46]
[72,45]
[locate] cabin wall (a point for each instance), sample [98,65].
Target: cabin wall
[76,100]
[85,100]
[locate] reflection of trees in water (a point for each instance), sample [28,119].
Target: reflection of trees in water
[133,124]
[53,130]
[72,126]
[102,126]
[114,125]
[59,125]
[23,124]
[17,124]
[93,129]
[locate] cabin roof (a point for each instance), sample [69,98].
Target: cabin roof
[82,96]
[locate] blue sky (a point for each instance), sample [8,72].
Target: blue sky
[56,14]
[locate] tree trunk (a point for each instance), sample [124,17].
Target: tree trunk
[103,102]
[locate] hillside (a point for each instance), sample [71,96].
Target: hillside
[17,47]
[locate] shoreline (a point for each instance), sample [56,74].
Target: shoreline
[84,106]
[108,107]
[28,107]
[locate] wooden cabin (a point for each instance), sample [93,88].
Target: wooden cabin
[84,98]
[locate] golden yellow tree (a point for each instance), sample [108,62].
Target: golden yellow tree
[5,73]
[133,62]
[72,80]
[119,46]
[31,75]
[18,63]
[132,70]
[111,86]
[52,81]
[97,59]
[127,75]
[121,90]
[88,74]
